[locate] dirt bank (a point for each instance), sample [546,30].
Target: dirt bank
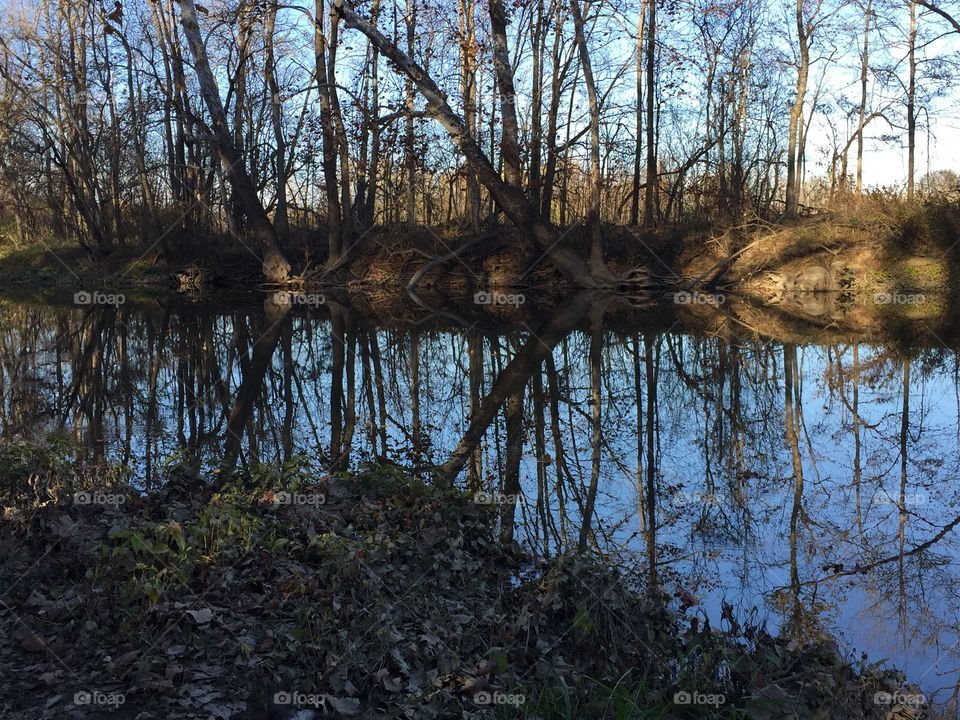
[868,262]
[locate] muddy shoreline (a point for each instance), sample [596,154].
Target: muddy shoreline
[889,278]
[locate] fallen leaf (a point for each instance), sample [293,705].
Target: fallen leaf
[346,706]
[126,659]
[33,643]
[202,616]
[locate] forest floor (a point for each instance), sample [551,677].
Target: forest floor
[373,595]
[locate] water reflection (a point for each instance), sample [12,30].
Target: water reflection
[814,485]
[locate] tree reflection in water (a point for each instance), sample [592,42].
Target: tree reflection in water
[815,483]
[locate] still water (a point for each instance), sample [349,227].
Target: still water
[809,486]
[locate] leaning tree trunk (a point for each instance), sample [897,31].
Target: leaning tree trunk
[276,268]
[511,200]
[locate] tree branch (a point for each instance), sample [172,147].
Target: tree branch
[512,200]
[942,13]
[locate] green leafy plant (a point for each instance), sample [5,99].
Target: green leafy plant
[154,557]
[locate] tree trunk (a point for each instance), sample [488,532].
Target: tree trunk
[649,209]
[236,213]
[537,33]
[468,88]
[329,159]
[911,103]
[503,71]
[280,221]
[409,139]
[864,68]
[339,131]
[556,77]
[597,264]
[373,176]
[637,154]
[510,199]
[513,421]
[796,118]
[275,267]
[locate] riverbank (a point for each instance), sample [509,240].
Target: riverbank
[880,245]
[365,595]
[875,271]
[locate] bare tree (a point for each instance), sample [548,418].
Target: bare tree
[276,268]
